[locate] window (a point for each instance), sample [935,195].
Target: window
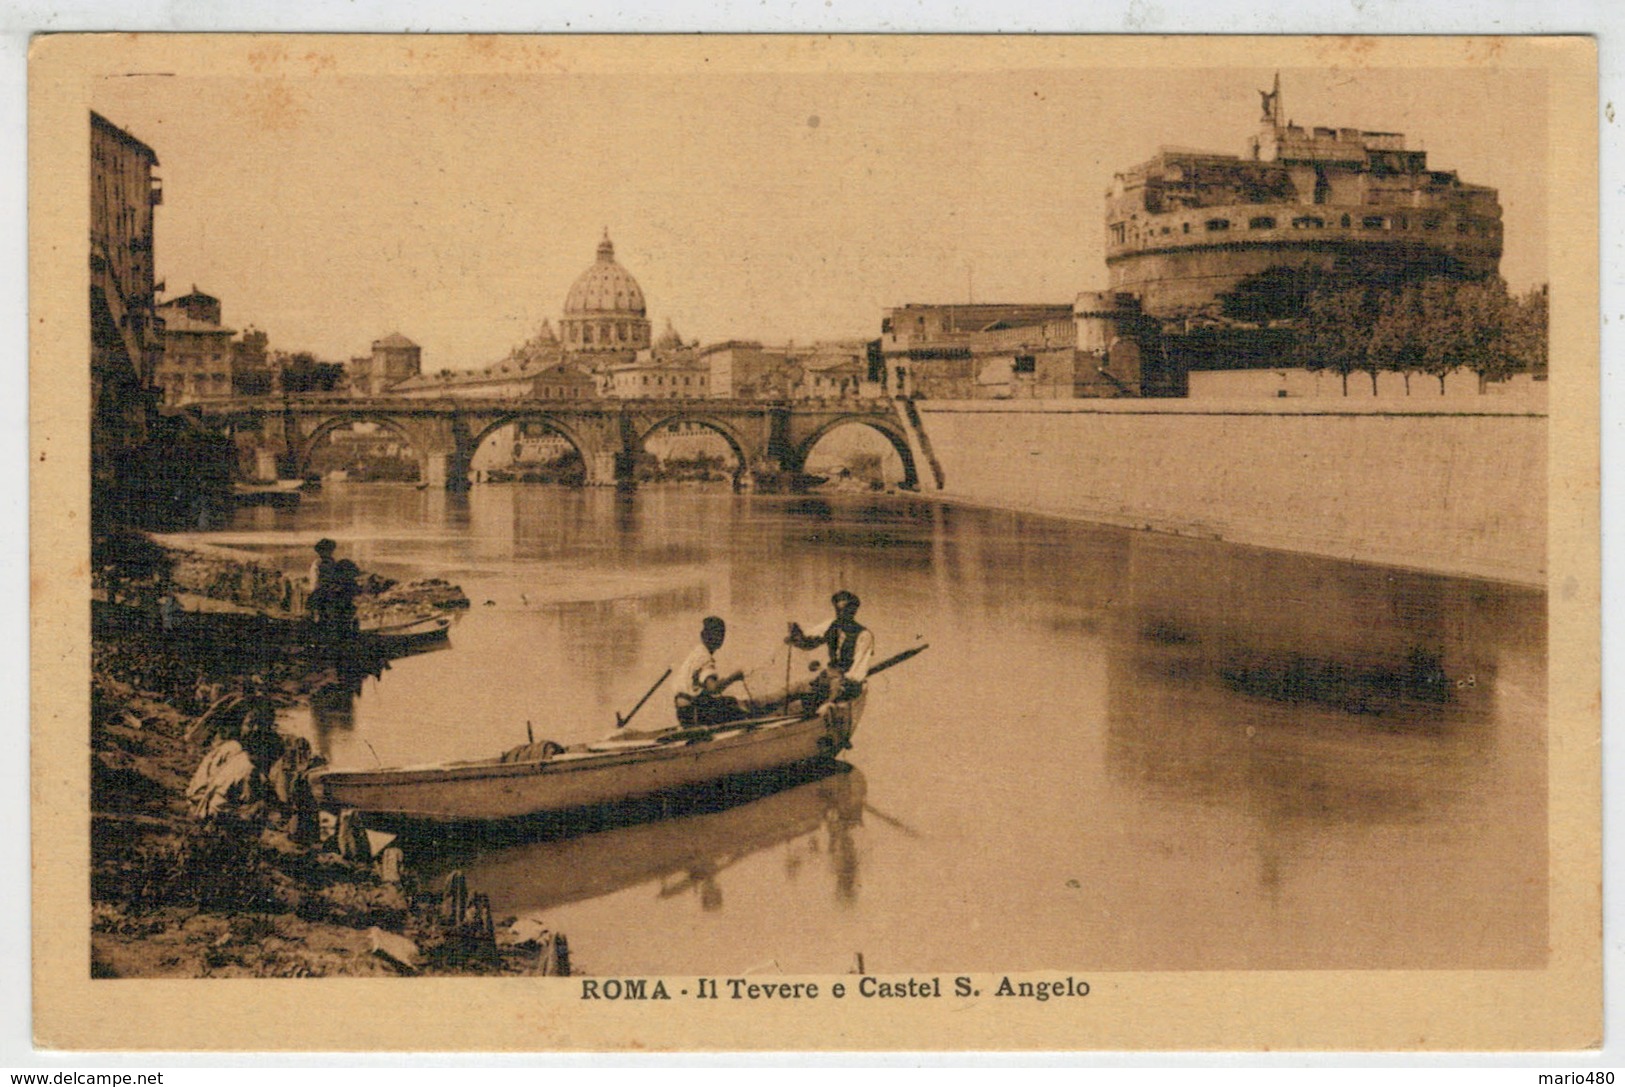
[1308,222]
[1025,364]
[1262,222]
[1218,224]
[1187,228]
[1374,222]
[1346,222]
[1431,222]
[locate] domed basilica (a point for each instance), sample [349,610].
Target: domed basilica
[604,311]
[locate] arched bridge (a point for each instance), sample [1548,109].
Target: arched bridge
[609,434]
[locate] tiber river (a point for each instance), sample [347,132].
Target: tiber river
[1122,750]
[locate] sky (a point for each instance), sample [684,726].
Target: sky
[458,208]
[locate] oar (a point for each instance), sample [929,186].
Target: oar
[789,654]
[621,722]
[899,658]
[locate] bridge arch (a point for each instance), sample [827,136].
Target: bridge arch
[307,447]
[585,449]
[886,427]
[743,452]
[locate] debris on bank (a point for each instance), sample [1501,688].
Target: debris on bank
[209,857]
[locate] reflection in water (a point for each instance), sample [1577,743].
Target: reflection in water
[682,846]
[1123,751]
[333,706]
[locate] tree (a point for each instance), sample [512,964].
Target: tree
[301,373]
[1434,326]
[1467,326]
[1335,333]
[1396,335]
[1529,333]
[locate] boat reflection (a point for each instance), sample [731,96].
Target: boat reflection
[683,844]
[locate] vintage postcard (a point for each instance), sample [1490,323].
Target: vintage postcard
[814,543]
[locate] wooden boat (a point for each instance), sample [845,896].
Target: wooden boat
[586,775]
[284,492]
[203,618]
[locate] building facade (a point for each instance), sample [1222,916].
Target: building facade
[965,351]
[1185,228]
[124,338]
[509,380]
[394,359]
[653,376]
[196,360]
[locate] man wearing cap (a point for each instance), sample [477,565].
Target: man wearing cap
[851,649]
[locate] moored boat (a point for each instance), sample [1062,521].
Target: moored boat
[221,621]
[284,492]
[586,775]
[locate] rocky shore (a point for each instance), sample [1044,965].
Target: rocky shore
[262,885]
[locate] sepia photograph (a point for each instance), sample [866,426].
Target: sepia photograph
[854,542]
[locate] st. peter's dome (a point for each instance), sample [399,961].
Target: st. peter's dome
[604,310]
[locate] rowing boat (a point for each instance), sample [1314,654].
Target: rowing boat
[221,621]
[604,772]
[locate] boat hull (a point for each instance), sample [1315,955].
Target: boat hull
[593,774]
[227,626]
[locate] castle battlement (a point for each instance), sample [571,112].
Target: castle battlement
[1186,226]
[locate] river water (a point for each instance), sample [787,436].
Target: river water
[1122,750]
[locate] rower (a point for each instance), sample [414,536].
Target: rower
[699,698]
[851,649]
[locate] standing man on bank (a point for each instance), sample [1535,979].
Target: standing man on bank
[320,579]
[851,649]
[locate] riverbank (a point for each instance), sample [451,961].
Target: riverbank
[258,888]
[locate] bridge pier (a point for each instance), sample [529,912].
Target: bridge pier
[447,470]
[605,467]
[266,464]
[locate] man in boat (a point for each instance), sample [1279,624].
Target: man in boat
[700,700]
[850,647]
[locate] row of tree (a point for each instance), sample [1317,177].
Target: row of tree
[1431,326]
[255,368]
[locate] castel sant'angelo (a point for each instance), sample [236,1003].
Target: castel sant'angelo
[1186,227]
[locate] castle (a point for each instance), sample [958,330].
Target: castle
[1185,228]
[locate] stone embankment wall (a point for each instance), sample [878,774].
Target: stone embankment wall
[1450,487]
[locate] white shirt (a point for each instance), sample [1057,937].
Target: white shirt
[862,654]
[696,668]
